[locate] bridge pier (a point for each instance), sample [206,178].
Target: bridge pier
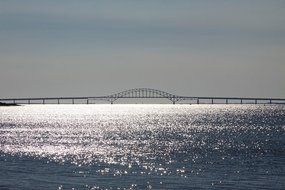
[44,101]
[212,101]
[72,101]
[198,101]
[87,101]
[58,101]
[241,101]
[255,101]
[227,101]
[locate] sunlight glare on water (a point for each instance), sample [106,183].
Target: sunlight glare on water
[186,143]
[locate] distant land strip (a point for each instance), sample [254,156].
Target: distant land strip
[8,104]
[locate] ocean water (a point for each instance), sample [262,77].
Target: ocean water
[142,147]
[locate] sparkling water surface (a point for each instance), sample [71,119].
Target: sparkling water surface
[142,147]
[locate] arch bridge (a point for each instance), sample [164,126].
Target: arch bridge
[145,93]
[142,93]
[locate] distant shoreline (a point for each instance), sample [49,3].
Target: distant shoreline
[8,104]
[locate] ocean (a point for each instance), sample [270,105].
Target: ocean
[142,147]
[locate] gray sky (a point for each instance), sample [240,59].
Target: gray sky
[88,47]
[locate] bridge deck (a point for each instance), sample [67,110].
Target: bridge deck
[197,100]
[147,93]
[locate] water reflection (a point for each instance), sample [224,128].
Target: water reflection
[165,141]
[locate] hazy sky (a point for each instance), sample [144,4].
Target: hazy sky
[88,47]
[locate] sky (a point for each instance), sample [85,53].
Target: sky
[185,47]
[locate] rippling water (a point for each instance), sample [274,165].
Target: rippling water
[142,147]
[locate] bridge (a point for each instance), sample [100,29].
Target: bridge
[146,93]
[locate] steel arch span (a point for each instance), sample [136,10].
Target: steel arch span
[142,93]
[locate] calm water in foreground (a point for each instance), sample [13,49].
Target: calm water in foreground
[142,147]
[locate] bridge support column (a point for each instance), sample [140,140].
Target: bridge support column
[227,101]
[198,102]
[72,101]
[14,101]
[270,101]
[44,101]
[255,101]
[58,101]
[241,101]
[87,101]
[212,101]
[29,101]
